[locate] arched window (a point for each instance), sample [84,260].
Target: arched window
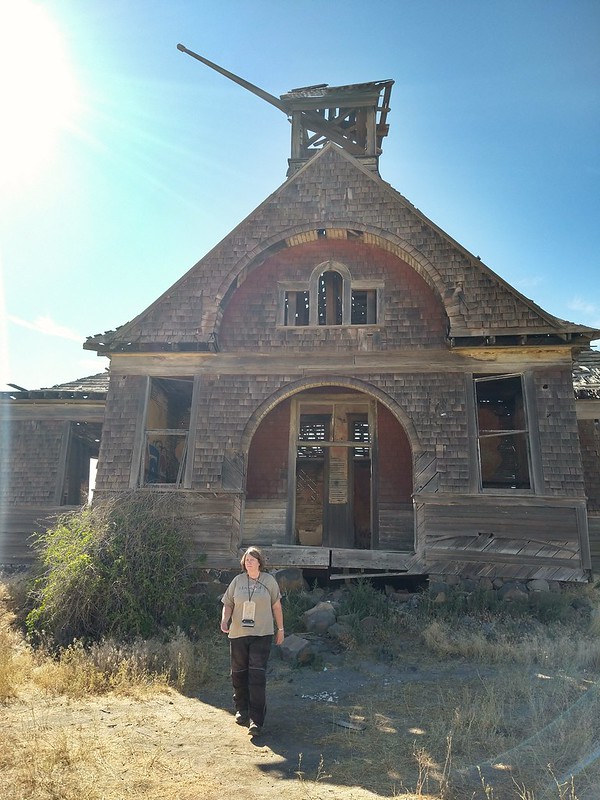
[331,298]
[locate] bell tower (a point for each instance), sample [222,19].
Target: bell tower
[353,117]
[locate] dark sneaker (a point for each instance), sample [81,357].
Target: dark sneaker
[254,729]
[241,719]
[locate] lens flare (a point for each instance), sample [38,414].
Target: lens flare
[38,92]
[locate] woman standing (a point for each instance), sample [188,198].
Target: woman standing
[250,604]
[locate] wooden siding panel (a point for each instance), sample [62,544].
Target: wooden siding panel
[515,538]
[264,522]
[396,527]
[533,522]
[413,316]
[18,526]
[558,432]
[125,393]
[30,462]
[589,436]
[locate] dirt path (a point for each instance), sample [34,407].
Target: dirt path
[170,746]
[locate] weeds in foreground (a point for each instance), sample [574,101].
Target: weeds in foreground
[16,657]
[524,693]
[79,669]
[308,784]
[138,667]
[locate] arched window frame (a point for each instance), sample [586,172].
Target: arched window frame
[290,291]
[346,292]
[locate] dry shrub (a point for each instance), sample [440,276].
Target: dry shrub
[122,568]
[54,764]
[441,638]
[550,646]
[134,668]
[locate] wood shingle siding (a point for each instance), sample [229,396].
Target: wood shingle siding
[333,187]
[331,351]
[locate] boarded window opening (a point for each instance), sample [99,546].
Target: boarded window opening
[360,433]
[167,431]
[503,435]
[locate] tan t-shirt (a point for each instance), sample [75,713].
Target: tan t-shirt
[264,592]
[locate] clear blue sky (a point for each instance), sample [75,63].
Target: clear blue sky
[123,161]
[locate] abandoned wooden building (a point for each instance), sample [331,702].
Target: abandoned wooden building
[50,444]
[342,383]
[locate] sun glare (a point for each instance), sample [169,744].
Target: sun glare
[37,91]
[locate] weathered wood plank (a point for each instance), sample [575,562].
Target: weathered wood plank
[264,522]
[438,360]
[498,529]
[19,523]
[507,558]
[594,534]
[466,569]
[507,501]
[371,559]
[296,555]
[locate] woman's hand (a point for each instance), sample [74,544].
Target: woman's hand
[226,615]
[278,620]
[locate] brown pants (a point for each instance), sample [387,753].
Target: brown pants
[249,656]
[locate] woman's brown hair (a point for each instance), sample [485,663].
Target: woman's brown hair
[256,553]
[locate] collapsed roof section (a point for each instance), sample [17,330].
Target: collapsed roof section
[586,375]
[93,387]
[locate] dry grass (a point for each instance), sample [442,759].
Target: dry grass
[43,760]
[138,669]
[16,657]
[520,722]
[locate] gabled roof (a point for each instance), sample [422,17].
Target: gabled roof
[335,190]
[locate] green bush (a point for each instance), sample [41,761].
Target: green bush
[122,568]
[362,600]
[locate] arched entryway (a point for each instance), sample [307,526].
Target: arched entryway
[330,467]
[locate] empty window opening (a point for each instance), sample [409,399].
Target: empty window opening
[364,307]
[503,435]
[313,428]
[167,431]
[297,308]
[360,433]
[82,455]
[330,298]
